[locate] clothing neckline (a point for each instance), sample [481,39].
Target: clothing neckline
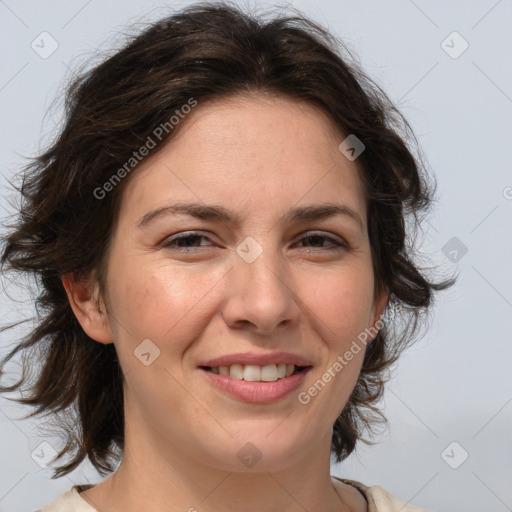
[363,489]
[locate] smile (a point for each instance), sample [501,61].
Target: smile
[255,373]
[256,384]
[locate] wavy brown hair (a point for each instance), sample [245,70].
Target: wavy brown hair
[206,51]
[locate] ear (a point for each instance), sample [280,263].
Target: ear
[88,306]
[379,306]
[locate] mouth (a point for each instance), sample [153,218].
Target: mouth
[256,384]
[256,373]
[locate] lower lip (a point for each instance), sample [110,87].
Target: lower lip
[257,392]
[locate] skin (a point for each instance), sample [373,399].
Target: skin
[257,156]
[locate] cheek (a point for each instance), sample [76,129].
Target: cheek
[154,300]
[342,300]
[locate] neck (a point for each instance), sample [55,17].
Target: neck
[150,478]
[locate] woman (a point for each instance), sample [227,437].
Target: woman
[217,232]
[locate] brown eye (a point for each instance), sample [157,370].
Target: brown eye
[318,241]
[184,242]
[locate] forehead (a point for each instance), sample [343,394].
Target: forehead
[251,152]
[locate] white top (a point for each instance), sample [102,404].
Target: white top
[379,500]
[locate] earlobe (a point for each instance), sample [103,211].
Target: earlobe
[379,307]
[88,307]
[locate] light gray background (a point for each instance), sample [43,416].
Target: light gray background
[455,384]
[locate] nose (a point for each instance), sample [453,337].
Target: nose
[261,295]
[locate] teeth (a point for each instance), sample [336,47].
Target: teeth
[236,371]
[252,372]
[255,373]
[269,373]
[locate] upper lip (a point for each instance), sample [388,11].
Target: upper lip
[257,359]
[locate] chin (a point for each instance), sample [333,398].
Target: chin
[259,448]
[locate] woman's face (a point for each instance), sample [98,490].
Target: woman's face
[257,278]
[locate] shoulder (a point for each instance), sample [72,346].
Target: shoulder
[385,501]
[70,501]
[380,500]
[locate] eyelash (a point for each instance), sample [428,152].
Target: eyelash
[171,242]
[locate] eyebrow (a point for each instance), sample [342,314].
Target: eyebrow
[221,214]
